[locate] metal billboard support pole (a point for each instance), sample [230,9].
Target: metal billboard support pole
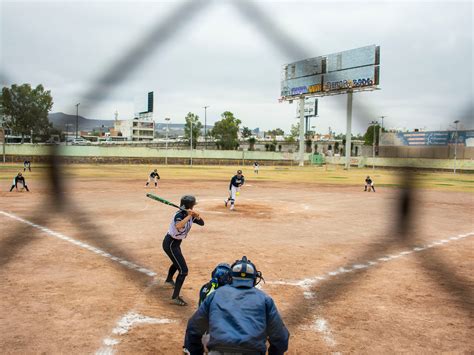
[348,130]
[301,155]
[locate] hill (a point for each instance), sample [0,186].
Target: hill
[59,121]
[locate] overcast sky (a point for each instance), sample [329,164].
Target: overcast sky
[217,57]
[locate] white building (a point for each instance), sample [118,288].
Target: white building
[141,128]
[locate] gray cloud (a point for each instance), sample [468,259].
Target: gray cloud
[224,61]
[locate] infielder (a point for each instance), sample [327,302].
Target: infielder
[153,176]
[370,184]
[19,179]
[235,183]
[178,230]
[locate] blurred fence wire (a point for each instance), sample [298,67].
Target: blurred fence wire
[401,233]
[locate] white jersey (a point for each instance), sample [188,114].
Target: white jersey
[183,233]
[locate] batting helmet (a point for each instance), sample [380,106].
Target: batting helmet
[188,201]
[221,275]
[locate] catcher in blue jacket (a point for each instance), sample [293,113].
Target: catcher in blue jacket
[239,318]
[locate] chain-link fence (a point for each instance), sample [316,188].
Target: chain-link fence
[401,234]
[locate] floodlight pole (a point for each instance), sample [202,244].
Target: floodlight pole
[4,142]
[301,153]
[455,144]
[205,127]
[77,118]
[374,123]
[167,119]
[348,130]
[191,155]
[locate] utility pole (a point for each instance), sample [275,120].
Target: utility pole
[455,144]
[205,126]
[4,131]
[381,131]
[77,119]
[373,123]
[191,121]
[167,119]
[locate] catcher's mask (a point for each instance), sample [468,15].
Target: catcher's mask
[245,274]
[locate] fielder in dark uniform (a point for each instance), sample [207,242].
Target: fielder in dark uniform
[178,230]
[369,184]
[27,165]
[235,183]
[153,176]
[19,179]
[240,319]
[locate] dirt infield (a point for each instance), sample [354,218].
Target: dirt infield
[81,279]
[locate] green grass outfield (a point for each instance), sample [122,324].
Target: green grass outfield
[332,175]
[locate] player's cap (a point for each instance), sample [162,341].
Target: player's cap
[239,171]
[244,273]
[188,201]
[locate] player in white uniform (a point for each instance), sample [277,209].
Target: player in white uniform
[256,166]
[177,232]
[235,183]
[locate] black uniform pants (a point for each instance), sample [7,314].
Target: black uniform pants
[172,248]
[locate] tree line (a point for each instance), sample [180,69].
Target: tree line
[25,109]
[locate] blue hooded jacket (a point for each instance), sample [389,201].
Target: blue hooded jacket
[238,319]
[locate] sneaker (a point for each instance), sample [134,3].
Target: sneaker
[232,207]
[225,202]
[170,284]
[179,301]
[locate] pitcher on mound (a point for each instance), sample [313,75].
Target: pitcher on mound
[235,183]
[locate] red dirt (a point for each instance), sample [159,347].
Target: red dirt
[59,298]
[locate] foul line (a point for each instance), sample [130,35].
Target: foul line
[124,324]
[128,264]
[308,282]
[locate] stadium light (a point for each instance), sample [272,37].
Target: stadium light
[77,118]
[205,126]
[455,144]
[373,123]
[167,119]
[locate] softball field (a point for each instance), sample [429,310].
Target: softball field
[85,274]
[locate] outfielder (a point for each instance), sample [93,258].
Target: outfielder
[178,230]
[370,184]
[27,165]
[235,183]
[153,176]
[19,179]
[256,166]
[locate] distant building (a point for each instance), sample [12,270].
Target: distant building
[141,128]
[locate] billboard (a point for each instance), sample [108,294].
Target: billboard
[310,107]
[333,73]
[435,138]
